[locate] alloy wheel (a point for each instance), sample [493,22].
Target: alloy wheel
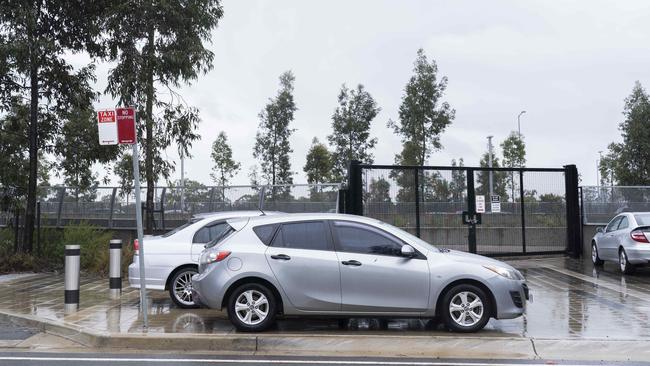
[466,309]
[622,260]
[251,307]
[594,253]
[183,288]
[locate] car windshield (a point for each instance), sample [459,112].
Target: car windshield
[412,237]
[170,233]
[642,219]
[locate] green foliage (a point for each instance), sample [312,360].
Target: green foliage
[499,179]
[35,39]
[272,147]
[350,136]
[379,191]
[423,117]
[514,156]
[458,184]
[224,166]
[79,149]
[628,163]
[318,166]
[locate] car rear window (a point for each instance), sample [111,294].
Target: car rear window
[265,233]
[170,233]
[221,232]
[642,220]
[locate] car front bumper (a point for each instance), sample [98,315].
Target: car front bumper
[511,296]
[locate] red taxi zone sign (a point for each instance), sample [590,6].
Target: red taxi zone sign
[106,116]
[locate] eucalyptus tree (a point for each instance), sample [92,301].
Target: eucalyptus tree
[225,167]
[157,47]
[36,36]
[318,166]
[351,124]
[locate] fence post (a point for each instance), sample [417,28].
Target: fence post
[110,215]
[471,209]
[522,197]
[115,267]
[574,241]
[355,189]
[71,284]
[60,208]
[162,207]
[417,201]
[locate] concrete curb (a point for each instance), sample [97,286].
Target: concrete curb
[463,346]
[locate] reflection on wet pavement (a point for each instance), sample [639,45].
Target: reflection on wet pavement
[571,299]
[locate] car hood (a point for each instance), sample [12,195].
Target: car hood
[464,257]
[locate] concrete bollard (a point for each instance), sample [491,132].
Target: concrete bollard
[71,285]
[115,267]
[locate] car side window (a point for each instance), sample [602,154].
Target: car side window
[623,224]
[202,236]
[613,225]
[302,235]
[359,238]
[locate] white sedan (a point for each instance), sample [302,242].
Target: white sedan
[172,259]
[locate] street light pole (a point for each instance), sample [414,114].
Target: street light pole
[519,123]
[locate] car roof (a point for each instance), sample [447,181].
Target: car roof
[289,217]
[230,214]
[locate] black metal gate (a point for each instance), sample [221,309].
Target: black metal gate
[490,211]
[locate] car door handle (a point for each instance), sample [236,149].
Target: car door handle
[283,257]
[351,263]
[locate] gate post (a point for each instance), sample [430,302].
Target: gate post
[355,189]
[471,209]
[417,201]
[574,242]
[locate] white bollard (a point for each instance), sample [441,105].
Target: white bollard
[115,267]
[71,284]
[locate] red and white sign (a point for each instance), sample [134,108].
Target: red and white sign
[107,127]
[126,125]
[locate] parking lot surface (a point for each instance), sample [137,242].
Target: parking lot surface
[571,299]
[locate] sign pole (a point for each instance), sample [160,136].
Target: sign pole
[138,217]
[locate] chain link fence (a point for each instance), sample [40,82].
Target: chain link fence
[112,207]
[601,203]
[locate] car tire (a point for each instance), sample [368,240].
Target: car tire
[458,313]
[252,308]
[624,264]
[595,258]
[180,288]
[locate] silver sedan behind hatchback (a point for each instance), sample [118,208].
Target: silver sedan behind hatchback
[345,266]
[623,240]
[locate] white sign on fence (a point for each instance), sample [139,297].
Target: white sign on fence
[480,203]
[495,203]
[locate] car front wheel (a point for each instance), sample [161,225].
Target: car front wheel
[180,288]
[465,308]
[595,258]
[252,308]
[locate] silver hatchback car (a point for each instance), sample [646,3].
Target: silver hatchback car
[345,266]
[623,240]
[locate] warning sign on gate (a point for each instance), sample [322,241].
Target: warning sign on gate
[107,127]
[480,203]
[495,203]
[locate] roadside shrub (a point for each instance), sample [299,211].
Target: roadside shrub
[94,246]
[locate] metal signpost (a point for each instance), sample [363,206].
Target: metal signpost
[123,130]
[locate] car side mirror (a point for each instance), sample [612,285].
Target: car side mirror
[408,251]
[600,230]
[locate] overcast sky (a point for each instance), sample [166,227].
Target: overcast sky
[569,64]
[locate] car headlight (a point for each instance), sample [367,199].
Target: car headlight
[510,274]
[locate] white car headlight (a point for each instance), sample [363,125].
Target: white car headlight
[505,272]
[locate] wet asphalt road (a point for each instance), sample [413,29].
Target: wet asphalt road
[11,331]
[76,359]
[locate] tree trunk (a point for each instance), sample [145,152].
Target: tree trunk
[28,231]
[149,134]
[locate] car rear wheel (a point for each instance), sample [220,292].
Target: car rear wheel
[624,264]
[465,308]
[252,308]
[595,259]
[180,288]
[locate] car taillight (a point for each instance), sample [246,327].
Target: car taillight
[136,246]
[217,256]
[639,236]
